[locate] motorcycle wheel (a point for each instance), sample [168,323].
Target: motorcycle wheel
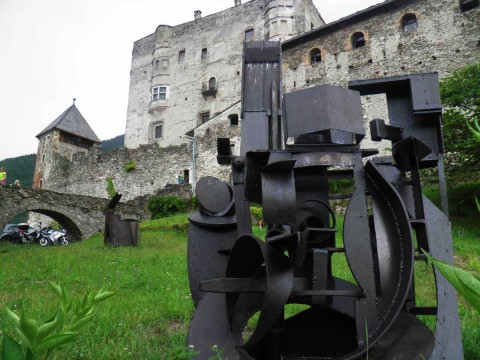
[43,241]
[64,241]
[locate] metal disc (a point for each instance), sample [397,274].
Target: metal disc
[213,194]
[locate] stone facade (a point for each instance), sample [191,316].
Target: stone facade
[443,39]
[82,216]
[47,161]
[87,174]
[183,75]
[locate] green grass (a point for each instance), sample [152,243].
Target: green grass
[149,315]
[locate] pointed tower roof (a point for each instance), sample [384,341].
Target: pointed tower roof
[72,122]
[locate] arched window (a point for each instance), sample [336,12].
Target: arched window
[466,5]
[212,83]
[315,56]
[358,40]
[409,22]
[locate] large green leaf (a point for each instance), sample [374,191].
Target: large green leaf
[11,350]
[29,327]
[464,282]
[475,132]
[15,318]
[53,341]
[47,328]
[81,322]
[478,203]
[103,295]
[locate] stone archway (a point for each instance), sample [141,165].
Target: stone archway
[82,216]
[73,231]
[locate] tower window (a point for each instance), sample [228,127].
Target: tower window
[358,40]
[181,56]
[160,92]
[233,119]
[204,53]
[204,117]
[43,158]
[212,83]
[466,5]
[165,63]
[315,56]
[157,63]
[158,131]
[249,35]
[409,22]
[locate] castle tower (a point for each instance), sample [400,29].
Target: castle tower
[185,75]
[67,135]
[288,18]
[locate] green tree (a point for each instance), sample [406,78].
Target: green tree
[461,96]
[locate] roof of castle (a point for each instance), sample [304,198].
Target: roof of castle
[72,122]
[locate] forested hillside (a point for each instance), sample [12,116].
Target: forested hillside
[21,167]
[110,144]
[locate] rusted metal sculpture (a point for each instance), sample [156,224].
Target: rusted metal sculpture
[119,232]
[291,148]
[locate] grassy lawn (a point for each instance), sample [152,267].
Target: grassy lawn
[148,317]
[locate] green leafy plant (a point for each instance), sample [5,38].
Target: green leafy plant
[111,191]
[39,340]
[162,206]
[465,283]
[129,166]
[218,353]
[461,96]
[257,212]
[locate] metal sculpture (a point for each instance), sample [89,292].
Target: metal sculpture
[290,150]
[119,232]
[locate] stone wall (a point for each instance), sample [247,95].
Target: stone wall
[211,47]
[48,146]
[445,40]
[155,167]
[206,144]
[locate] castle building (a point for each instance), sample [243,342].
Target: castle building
[391,38]
[185,85]
[184,75]
[67,135]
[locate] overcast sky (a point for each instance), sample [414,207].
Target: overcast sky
[54,50]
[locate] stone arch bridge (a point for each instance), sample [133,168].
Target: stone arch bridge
[82,216]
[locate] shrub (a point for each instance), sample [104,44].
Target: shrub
[110,187]
[38,340]
[129,166]
[257,212]
[162,206]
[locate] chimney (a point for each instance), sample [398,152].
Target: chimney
[238,2]
[197,14]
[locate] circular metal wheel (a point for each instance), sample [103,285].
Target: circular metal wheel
[43,241]
[64,241]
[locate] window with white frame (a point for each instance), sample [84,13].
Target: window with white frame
[158,131]
[160,92]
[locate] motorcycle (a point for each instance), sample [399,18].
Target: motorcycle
[26,234]
[47,236]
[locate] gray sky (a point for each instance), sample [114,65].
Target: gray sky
[54,50]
